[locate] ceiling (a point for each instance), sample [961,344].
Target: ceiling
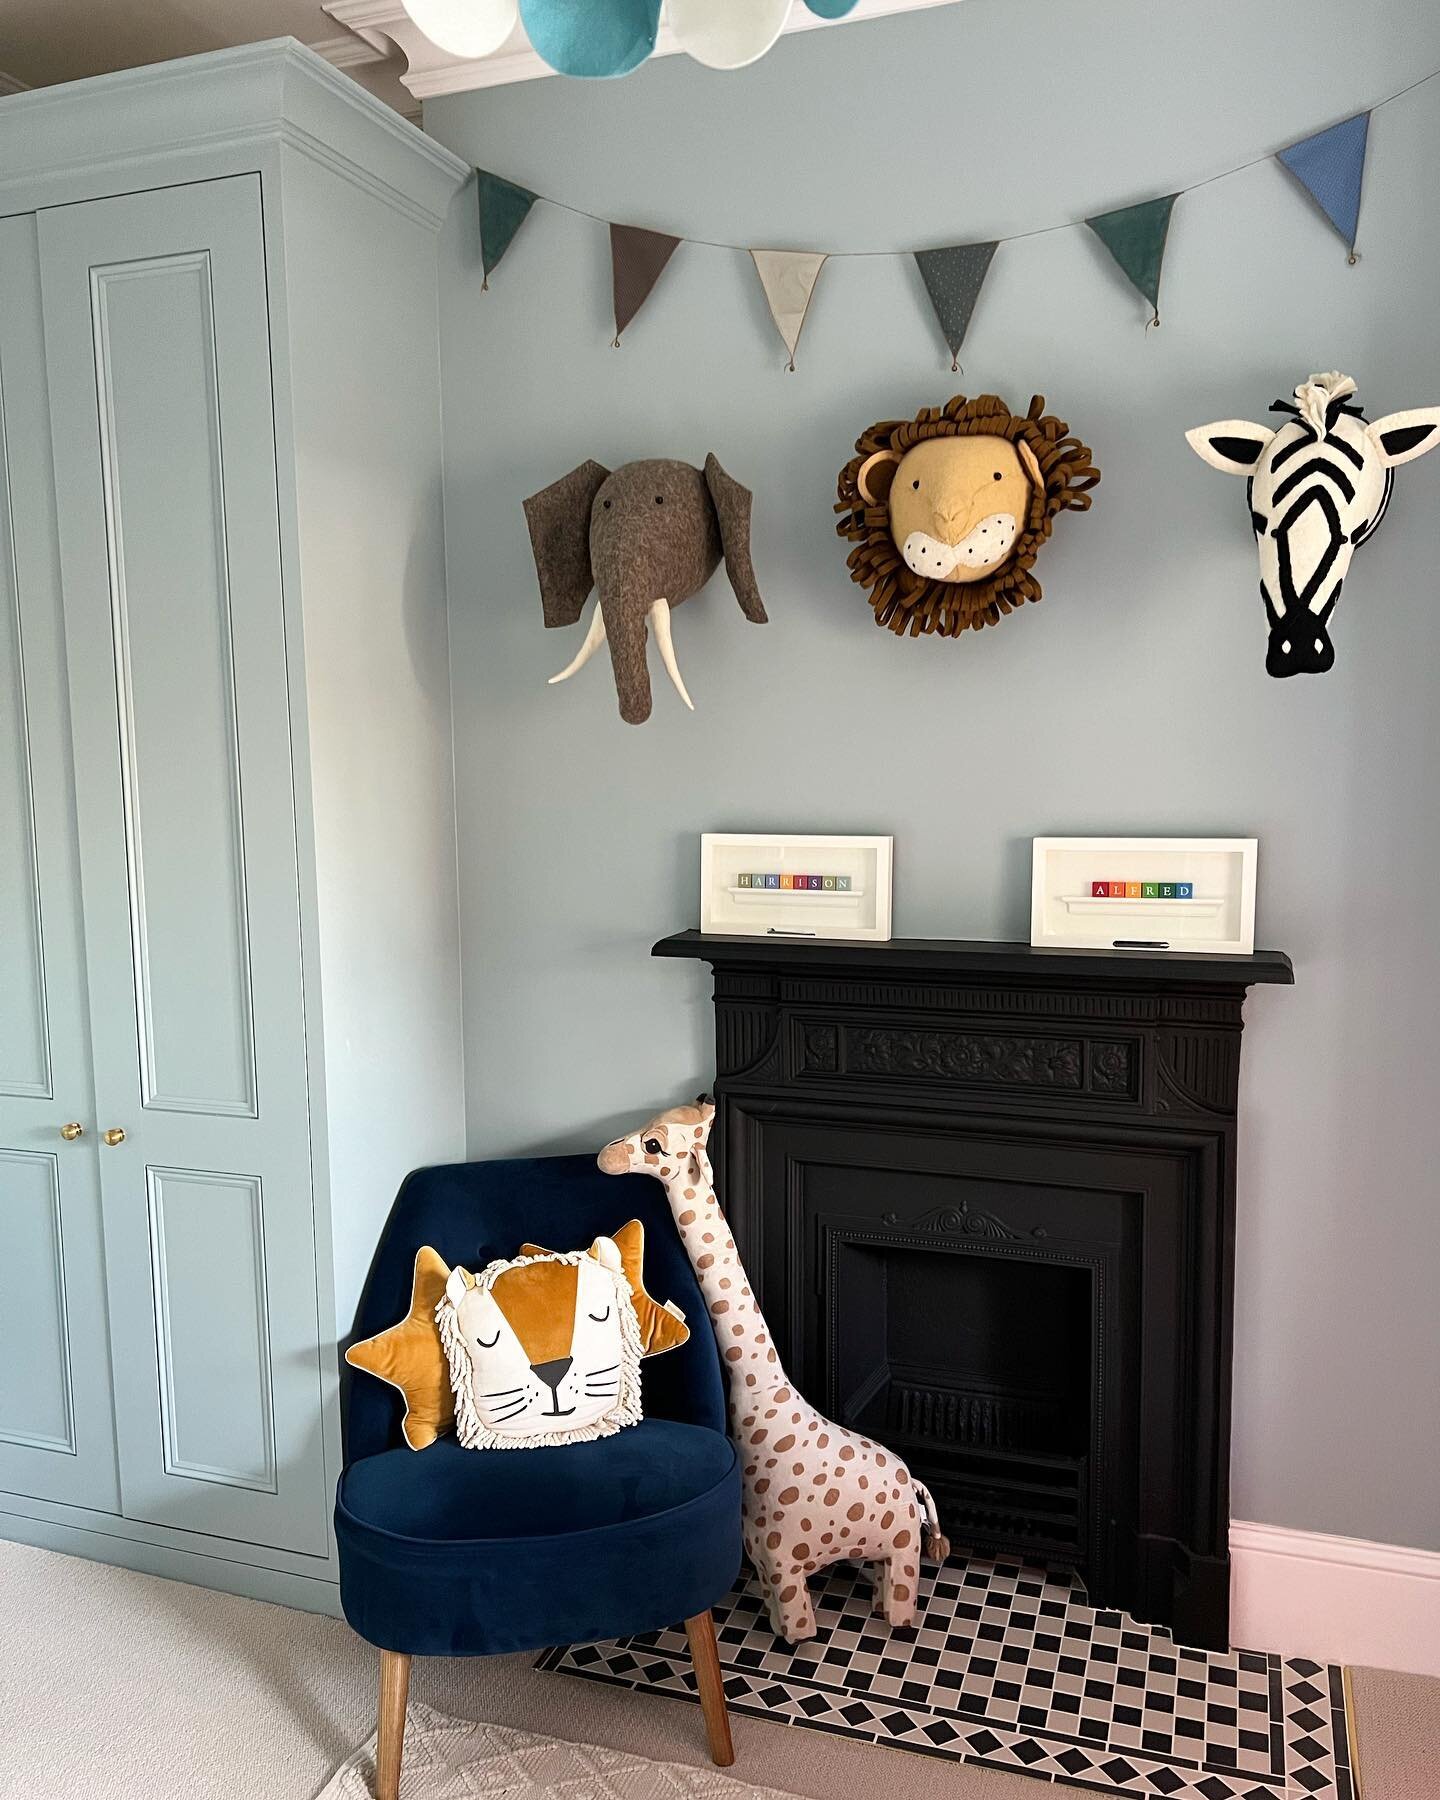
[374,41]
[45,41]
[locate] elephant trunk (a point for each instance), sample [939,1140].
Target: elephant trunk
[626,632]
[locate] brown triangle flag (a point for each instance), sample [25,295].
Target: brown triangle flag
[636,258]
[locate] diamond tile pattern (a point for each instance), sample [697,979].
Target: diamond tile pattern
[1009,1666]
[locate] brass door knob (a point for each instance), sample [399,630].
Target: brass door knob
[71,1131]
[114,1136]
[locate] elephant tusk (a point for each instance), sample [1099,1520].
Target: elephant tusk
[660,618]
[594,638]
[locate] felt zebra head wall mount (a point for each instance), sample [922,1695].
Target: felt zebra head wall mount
[1318,486]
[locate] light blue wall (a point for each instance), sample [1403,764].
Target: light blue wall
[1132,699]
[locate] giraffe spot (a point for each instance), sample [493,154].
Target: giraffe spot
[759,1434]
[902,1538]
[864,1481]
[886,1520]
[773,1541]
[785,1443]
[739,1330]
[856,1512]
[879,1461]
[900,1591]
[725,1281]
[770,1414]
[764,1482]
[902,1475]
[734,1353]
[827,1537]
[787,1593]
[782,1394]
[847,1451]
[719,1306]
[704,1262]
[707,1237]
[688,1216]
[769,1356]
[749,1381]
[823,1441]
[689,1193]
[790,1496]
[770,1461]
[802,1550]
[831,1496]
[750,1469]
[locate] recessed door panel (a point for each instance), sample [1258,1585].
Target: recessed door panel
[158,335]
[25,1039]
[163,459]
[57,1439]
[207,1264]
[35,1374]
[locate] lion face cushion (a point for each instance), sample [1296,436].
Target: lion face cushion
[542,1349]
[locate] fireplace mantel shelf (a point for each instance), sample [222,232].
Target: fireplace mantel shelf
[973,960]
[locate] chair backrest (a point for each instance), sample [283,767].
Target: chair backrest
[472,1213]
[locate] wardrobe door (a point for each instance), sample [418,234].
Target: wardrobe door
[56,1432]
[157,335]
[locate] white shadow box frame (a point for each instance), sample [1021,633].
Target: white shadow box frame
[856,904]
[1216,917]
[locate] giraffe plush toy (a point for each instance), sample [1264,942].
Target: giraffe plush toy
[814,1493]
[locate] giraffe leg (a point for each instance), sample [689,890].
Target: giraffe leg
[898,1588]
[790,1609]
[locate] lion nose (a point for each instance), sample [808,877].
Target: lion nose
[950,526]
[553,1373]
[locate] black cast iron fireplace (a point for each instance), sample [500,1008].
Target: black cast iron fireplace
[986,1194]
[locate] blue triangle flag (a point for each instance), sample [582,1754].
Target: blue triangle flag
[1330,166]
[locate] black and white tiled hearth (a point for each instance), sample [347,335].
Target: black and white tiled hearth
[1009,1667]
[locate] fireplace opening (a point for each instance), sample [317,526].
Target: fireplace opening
[977,1367]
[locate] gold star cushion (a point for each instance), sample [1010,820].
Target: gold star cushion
[411,1357]
[662,1328]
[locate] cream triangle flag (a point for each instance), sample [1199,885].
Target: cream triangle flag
[788,278]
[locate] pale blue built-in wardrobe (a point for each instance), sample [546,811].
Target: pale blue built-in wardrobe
[229,982]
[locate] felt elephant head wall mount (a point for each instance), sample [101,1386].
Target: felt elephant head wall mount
[646,536]
[948,510]
[1318,485]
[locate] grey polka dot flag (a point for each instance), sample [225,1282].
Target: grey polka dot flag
[953,278]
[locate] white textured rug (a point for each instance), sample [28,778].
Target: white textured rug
[456,1759]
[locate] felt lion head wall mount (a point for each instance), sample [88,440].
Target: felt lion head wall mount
[948,510]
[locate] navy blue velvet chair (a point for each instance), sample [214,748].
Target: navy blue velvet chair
[453,1552]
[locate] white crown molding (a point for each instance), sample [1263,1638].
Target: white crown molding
[1335,1599]
[348,50]
[386,27]
[56,139]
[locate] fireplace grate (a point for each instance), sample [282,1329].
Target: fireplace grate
[954,1416]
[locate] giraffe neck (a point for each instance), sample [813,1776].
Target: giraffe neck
[752,1365]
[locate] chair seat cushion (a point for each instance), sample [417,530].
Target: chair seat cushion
[455,1552]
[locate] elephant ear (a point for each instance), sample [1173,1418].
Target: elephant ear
[559,521]
[732,511]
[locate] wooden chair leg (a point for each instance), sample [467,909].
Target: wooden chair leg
[390,1737]
[706,1657]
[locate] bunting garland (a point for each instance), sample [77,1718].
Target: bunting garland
[788,278]
[504,208]
[953,279]
[637,257]
[1328,165]
[1135,236]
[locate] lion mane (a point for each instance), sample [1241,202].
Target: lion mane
[903,600]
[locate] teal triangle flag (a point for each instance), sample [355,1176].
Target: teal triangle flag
[1135,237]
[953,278]
[503,210]
[1330,166]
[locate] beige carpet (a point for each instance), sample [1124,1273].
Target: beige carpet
[1397,1730]
[117,1686]
[457,1759]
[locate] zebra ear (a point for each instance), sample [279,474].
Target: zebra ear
[1401,437]
[1233,446]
